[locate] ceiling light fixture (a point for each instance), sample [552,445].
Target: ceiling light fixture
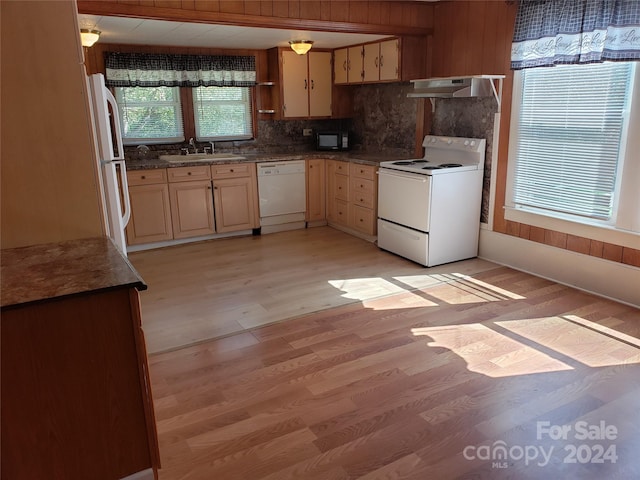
[89,37]
[301,46]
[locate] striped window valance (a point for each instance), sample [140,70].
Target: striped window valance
[167,70]
[551,32]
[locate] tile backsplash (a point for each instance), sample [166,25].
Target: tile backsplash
[472,118]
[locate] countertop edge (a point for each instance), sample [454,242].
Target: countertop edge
[362,158]
[39,273]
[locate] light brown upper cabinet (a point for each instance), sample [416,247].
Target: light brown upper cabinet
[306,84]
[391,60]
[382,61]
[348,65]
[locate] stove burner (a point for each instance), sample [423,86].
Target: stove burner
[431,167]
[404,162]
[421,161]
[450,165]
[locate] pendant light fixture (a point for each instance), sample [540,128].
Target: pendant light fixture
[89,37]
[301,47]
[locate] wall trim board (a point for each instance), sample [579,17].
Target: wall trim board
[613,280]
[241,19]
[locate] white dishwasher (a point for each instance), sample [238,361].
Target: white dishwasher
[282,192]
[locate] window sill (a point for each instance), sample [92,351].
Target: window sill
[604,233]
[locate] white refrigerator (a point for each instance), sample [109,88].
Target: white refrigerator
[110,156]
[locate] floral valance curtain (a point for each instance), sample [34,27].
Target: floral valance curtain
[160,70]
[550,32]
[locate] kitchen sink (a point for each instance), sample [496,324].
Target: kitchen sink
[201,157]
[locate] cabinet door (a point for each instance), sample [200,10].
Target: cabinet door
[150,214]
[319,84]
[192,208]
[233,201]
[295,85]
[371,62]
[316,200]
[390,60]
[340,59]
[354,64]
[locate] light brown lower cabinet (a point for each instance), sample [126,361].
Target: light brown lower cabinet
[352,196]
[316,190]
[235,197]
[76,395]
[150,211]
[192,208]
[191,198]
[232,198]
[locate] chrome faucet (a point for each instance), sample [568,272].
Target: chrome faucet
[213,147]
[192,142]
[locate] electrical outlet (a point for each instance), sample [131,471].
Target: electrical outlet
[306,132]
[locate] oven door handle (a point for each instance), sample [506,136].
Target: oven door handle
[416,177]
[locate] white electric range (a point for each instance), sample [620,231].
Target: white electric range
[429,208]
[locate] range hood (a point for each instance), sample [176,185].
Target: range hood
[458,87]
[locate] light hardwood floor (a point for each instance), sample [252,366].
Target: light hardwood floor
[412,384]
[206,290]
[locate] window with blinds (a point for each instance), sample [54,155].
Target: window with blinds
[150,114]
[570,128]
[222,113]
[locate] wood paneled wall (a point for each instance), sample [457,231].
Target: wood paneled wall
[474,37]
[383,17]
[48,169]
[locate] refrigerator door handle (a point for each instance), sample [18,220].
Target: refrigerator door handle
[116,120]
[126,216]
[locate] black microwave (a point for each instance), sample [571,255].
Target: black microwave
[332,141]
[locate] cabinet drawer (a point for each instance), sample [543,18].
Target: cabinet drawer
[147,177]
[367,200]
[186,174]
[365,187]
[341,212]
[363,219]
[362,171]
[342,187]
[231,170]
[342,167]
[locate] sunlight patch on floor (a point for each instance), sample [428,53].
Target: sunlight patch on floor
[584,341]
[421,291]
[489,352]
[365,288]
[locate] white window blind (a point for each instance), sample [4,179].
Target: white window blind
[222,113]
[569,140]
[150,114]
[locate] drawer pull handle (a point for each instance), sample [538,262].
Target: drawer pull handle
[188,173]
[231,170]
[143,177]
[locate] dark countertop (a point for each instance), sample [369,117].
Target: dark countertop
[41,272]
[362,158]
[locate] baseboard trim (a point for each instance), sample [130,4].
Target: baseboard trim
[142,475]
[613,280]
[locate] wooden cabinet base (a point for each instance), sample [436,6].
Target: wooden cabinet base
[75,396]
